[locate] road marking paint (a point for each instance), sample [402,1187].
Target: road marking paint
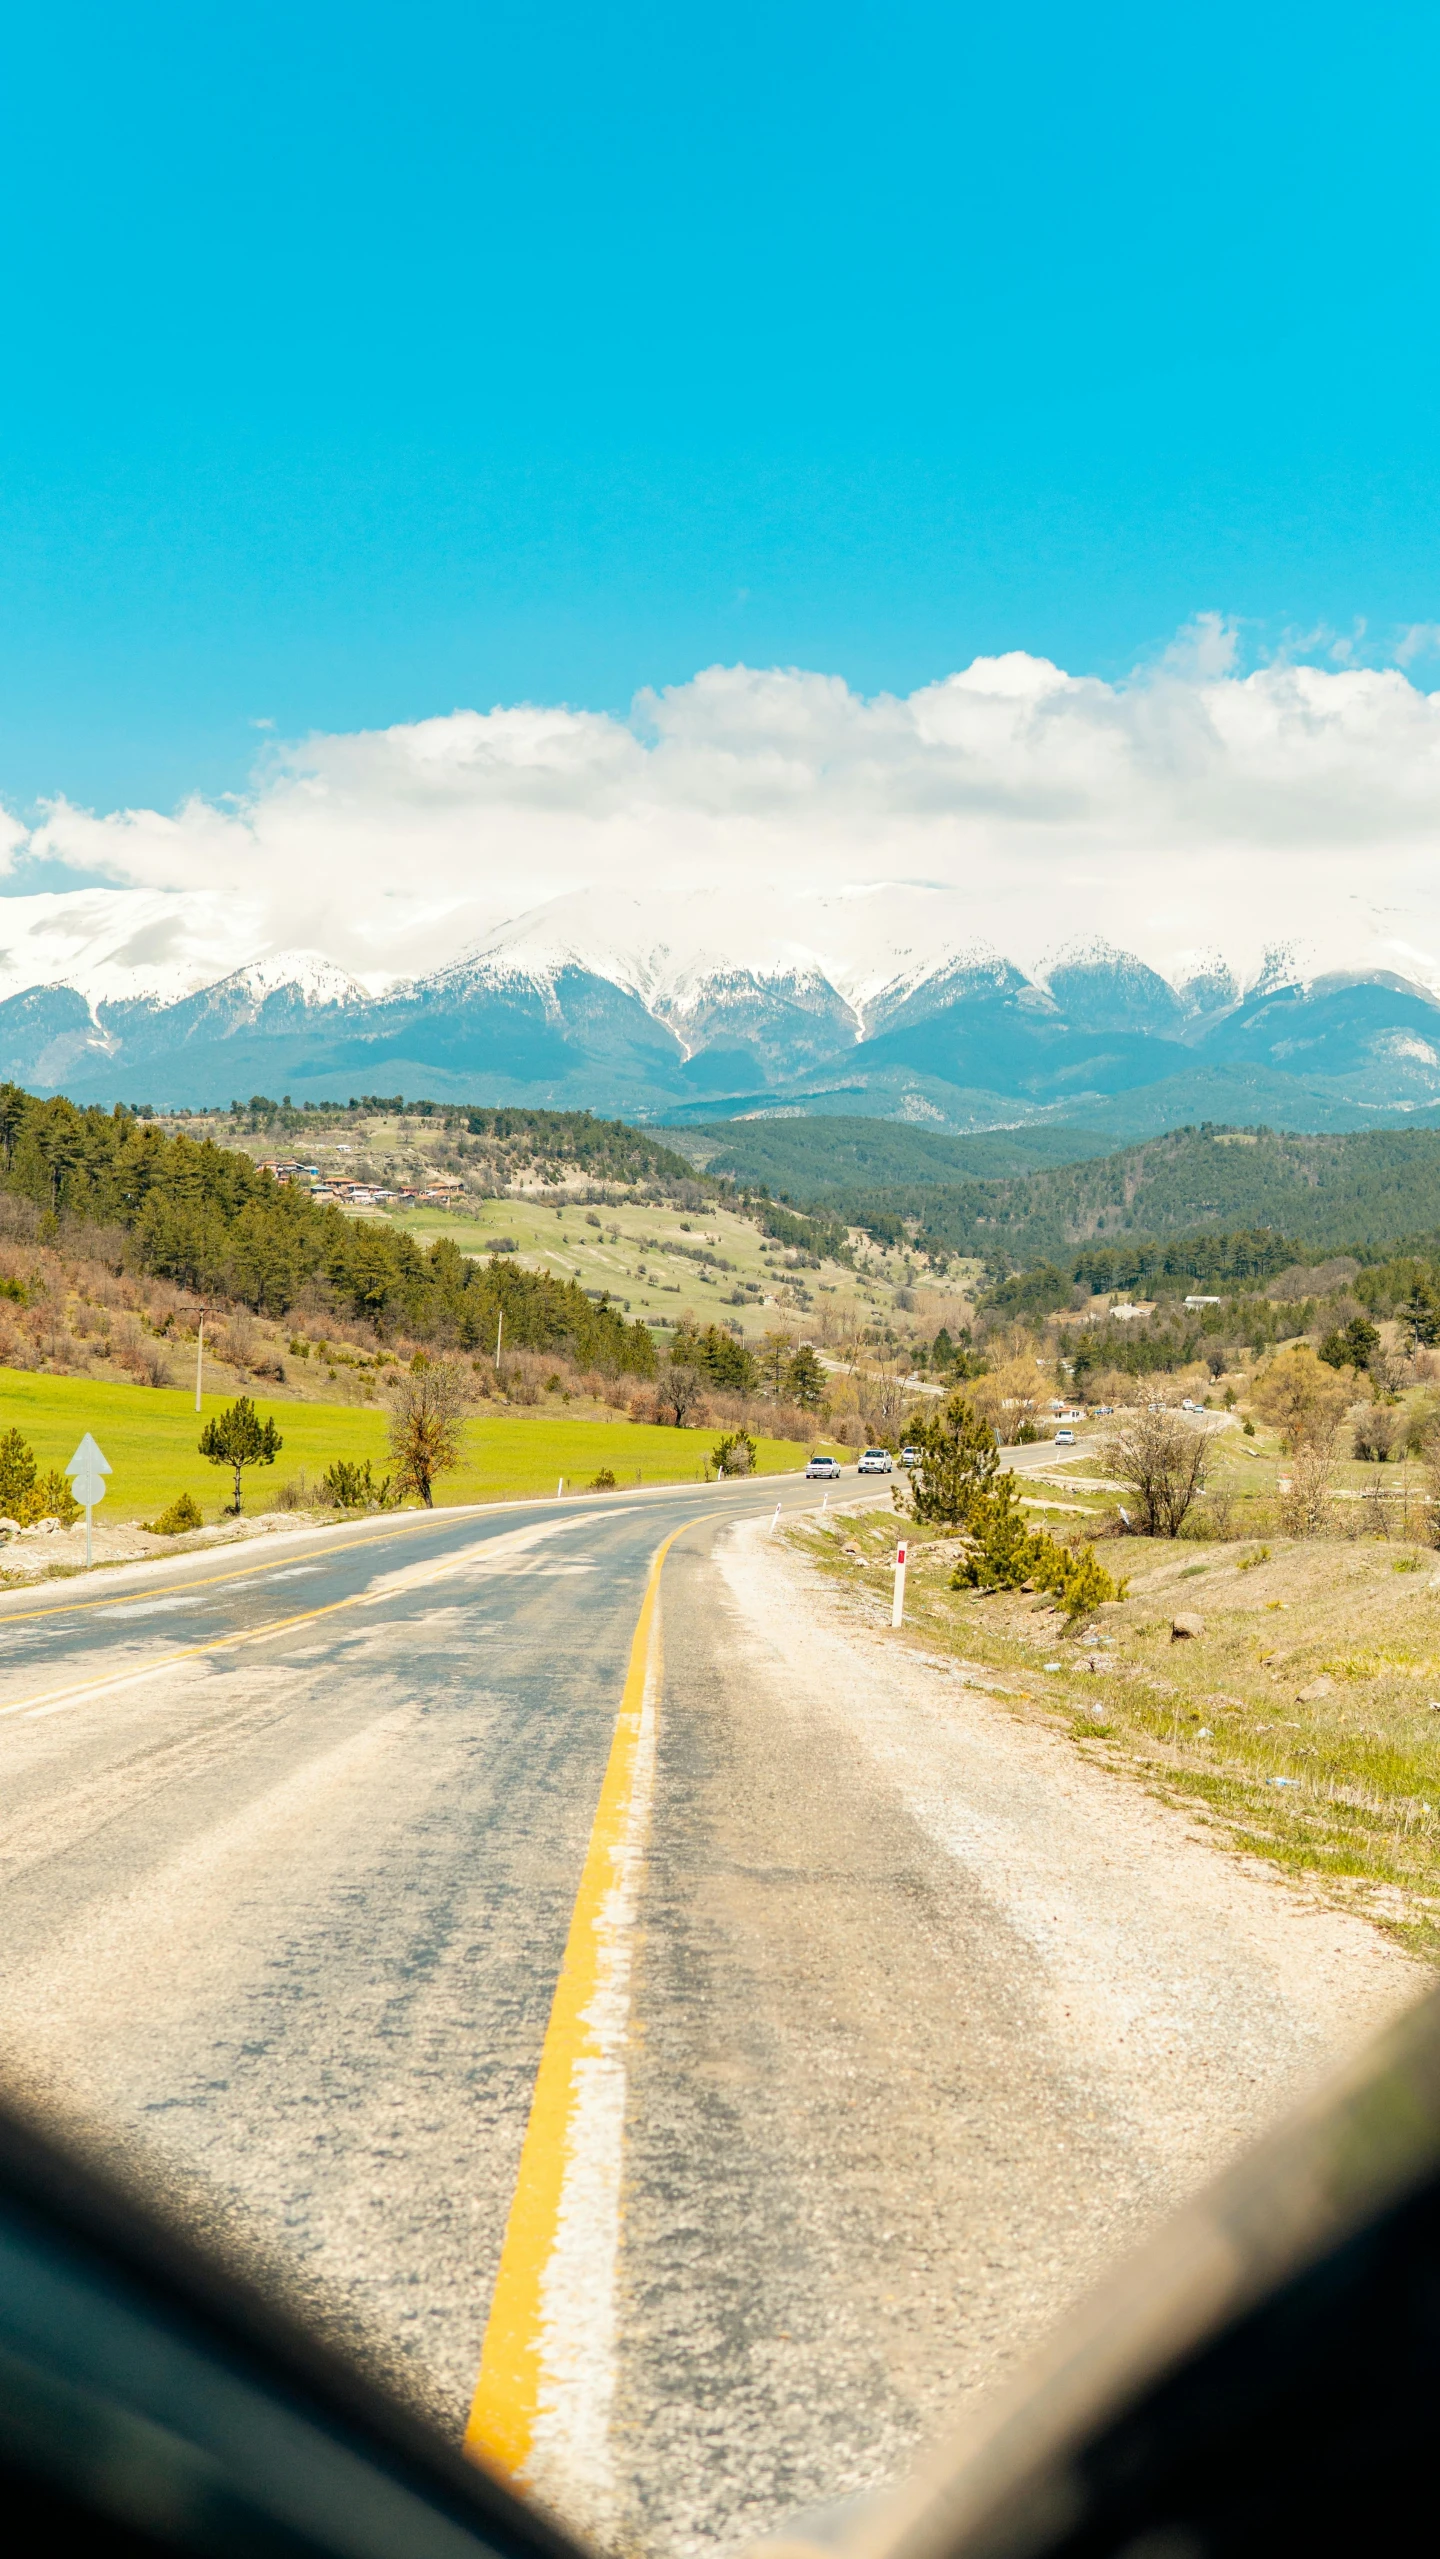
[249,1572]
[541,2411]
[149,1607]
[382,1537]
[399,1586]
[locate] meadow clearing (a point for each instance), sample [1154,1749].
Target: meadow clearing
[150,1436]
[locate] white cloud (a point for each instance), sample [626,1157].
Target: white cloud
[1012,803]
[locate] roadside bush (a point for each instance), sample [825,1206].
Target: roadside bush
[604,1482]
[351,1487]
[184,1513]
[53,1499]
[734,1453]
[25,1494]
[1006,1555]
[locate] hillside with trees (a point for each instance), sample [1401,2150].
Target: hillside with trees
[215,1225]
[1362,1192]
[121,1232]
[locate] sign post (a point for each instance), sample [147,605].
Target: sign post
[897,1610]
[87,1471]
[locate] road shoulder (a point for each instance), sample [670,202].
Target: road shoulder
[935,2021]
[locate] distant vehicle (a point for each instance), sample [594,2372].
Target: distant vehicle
[877,1461]
[1064,1439]
[827,1468]
[909,1456]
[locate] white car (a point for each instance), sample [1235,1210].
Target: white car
[1064,1439]
[827,1468]
[909,1456]
[877,1461]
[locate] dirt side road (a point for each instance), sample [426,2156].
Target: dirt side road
[933,2021]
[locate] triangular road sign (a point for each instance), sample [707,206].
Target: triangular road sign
[89,1459]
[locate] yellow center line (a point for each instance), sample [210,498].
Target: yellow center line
[507,2403]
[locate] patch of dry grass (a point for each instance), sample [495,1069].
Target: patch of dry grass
[1303,1723]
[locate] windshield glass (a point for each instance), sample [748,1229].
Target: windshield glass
[719,731]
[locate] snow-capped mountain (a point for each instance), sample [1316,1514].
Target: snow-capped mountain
[640,1009]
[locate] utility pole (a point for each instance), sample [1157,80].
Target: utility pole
[199,1356]
[499,1329]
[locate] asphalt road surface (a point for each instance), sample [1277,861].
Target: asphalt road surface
[290,1840]
[483,1931]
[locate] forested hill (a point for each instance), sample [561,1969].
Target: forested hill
[1362,1191]
[208,1219]
[822,1162]
[1376,1187]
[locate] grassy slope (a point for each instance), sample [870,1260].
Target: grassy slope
[569,1248]
[149,1435]
[1340,1787]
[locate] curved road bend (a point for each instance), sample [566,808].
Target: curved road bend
[292,1839]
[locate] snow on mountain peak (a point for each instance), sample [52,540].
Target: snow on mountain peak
[312,977]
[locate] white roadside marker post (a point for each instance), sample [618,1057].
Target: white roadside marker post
[897,1605]
[87,1471]
[774,1524]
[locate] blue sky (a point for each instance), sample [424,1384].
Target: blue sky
[368,362]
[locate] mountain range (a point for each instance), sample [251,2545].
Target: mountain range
[956,1041]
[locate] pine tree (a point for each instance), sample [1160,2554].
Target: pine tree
[17,1476]
[959,1464]
[237,1438]
[805,1380]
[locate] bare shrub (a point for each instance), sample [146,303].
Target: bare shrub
[1305,1507]
[236,1344]
[1217,1517]
[429,1404]
[128,1347]
[19,1218]
[1430,1515]
[1381,1511]
[1374,1429]
[1300,1397]
[680,1395]
[1163,1460]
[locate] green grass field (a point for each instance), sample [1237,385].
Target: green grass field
[149,1435]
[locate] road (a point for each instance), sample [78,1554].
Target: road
[702,2221]
[289,1847]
